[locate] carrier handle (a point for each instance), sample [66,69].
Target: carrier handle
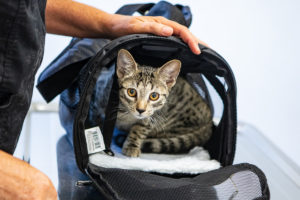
[132,8]
[178,13]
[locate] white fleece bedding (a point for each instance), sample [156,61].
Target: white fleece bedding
[196,161]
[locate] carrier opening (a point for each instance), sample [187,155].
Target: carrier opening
[194,161]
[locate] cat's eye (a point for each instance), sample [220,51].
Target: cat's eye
[154,96]
[131,92]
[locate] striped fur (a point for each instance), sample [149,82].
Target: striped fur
[174,123]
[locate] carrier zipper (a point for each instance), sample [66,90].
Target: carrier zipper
[83,183]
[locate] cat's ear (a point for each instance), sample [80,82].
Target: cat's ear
[125,64]
[169,72]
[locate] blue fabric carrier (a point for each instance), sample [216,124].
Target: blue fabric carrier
[84,76]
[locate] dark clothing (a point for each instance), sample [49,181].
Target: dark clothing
[22,38]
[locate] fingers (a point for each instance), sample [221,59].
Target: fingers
[180,31]
[155,28]
[158,26]
[188,38]
[184,33]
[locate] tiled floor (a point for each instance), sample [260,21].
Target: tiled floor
[283,175]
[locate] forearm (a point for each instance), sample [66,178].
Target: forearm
[67,17]
[19,180]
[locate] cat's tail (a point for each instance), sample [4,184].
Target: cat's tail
[181,142]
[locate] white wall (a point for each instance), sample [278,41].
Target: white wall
[260,40]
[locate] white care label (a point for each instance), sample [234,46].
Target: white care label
[94,140]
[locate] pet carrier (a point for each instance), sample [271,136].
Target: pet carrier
[84,74]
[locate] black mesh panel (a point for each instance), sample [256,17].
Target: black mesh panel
[232,182]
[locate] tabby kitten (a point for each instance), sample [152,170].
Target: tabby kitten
[162,115]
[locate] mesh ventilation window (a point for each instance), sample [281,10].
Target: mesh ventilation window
[224,184]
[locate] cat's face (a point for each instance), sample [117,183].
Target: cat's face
[144,90]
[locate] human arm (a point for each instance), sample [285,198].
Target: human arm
[21,181]
[67,17]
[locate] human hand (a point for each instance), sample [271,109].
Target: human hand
[79,20]
[21,181]
[120,25]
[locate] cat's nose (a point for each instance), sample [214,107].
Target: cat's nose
[140,110]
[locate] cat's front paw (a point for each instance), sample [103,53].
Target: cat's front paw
[131,151]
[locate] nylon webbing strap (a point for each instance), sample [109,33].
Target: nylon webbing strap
[218,86]
[162,8]
[111,115]
[132,8]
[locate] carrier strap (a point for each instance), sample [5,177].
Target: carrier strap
[219,136]
[178,13]
[132,8]
[111,115]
